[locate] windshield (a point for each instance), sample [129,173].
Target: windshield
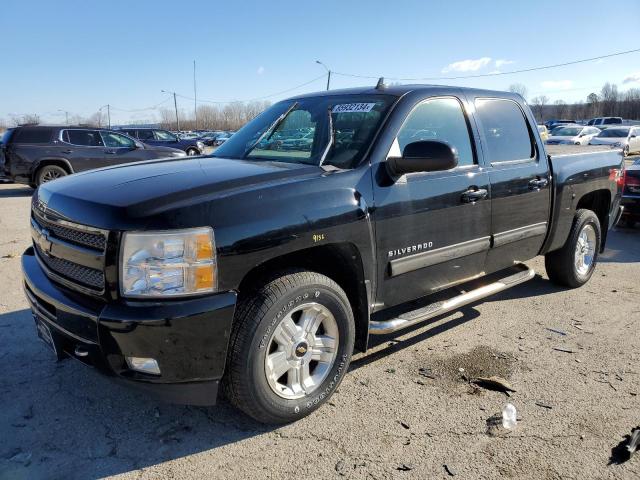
[567,132]
[614,133]
[328,130]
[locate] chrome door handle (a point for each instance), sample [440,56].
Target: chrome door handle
[538,183]
[473,195]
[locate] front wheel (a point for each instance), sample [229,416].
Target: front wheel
[290,347]
[625,151]
[573,265]
[192,152]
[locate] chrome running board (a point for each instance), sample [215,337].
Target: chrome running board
[438,308]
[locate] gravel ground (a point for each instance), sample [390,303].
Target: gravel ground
[386,421]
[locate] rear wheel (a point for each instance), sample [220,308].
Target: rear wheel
[290,347]
[574,263]
[49,173]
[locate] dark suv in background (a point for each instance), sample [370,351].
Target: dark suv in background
[38,154]
[156,136]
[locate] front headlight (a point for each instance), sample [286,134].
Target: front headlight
[168,263]
[200,145]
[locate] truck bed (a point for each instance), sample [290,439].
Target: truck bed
[562,150]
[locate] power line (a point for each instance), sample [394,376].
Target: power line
[494,74]
[256,98]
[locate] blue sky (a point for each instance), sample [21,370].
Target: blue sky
[80,55]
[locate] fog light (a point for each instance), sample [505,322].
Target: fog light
[144,365]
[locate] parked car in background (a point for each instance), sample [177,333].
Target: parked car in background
[221,139]
[551,124]
[627,138]
[605,121]
[210,137]
[544,132]
[35,155]
[631,195]
[573,135]
[156,136]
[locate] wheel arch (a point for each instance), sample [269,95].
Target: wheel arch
[599,202]
[60,162]
[342,262]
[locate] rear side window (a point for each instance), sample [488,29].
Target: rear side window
[32,135]
[439,119]
[145,135]
[505,130]
[85,138]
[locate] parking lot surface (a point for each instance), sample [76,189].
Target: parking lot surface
[571,355]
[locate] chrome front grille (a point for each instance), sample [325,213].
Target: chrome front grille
[70,253]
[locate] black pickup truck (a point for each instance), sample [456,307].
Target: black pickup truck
[262,268]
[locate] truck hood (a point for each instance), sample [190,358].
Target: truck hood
[106,197]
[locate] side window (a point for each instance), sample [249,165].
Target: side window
[32,135]
[505,130]
[115,140]
[440,119]
[164,135]
[145,135]
[85,138]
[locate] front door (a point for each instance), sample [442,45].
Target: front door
[520,181]
[432,228]
[121,149]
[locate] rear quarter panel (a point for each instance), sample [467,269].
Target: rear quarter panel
[574,176]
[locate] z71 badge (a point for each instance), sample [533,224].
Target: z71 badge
[410,249]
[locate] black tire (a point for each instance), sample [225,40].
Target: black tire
[257,318]
[625,151]
[48,173]
[561,264]
[192,152]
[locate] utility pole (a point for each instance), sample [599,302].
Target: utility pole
[328,73]
[66,116]
[195,96]
[175,104]
[108,115]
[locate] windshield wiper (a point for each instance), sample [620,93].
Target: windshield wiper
[271,130]
[331,138]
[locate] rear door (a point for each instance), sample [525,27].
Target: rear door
[429,234]
[634,140]
[520,180]
[83,148]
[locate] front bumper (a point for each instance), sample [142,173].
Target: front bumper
[188,338]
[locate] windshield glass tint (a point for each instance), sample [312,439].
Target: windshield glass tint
[614,133]
[567,132]
[299,131]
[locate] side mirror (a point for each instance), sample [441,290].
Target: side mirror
[633,135]
[423,156]
[138,145]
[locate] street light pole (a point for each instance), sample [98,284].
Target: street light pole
[108,115]
[328,73]
[175,104]
[195,96]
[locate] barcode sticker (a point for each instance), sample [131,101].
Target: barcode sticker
[353,108]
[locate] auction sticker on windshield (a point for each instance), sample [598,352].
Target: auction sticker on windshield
[353,108]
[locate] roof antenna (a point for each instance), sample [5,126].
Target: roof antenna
[380,85]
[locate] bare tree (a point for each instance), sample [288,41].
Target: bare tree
[25,119]
[518,88]
[560,108]
[537,105]
[609,98]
